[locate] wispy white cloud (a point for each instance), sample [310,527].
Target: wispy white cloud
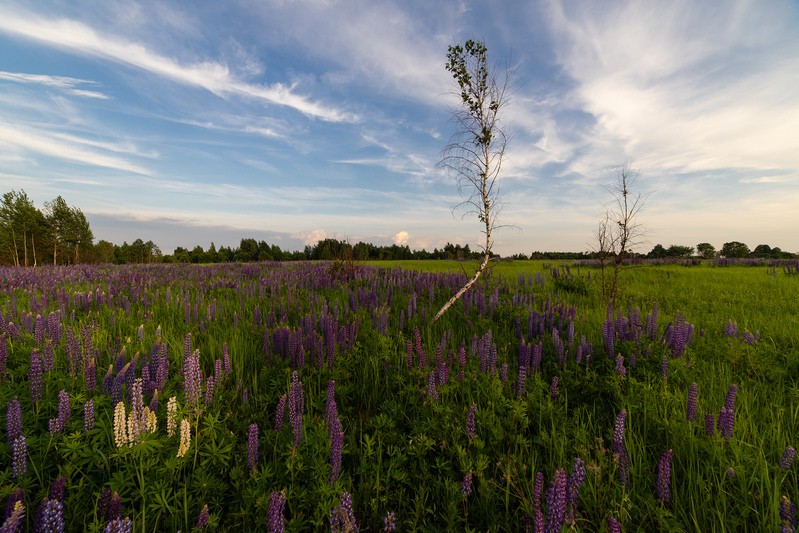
[75,36]
[70,85]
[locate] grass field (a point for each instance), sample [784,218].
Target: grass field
[528,407]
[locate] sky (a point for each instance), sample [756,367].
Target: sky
[290,121]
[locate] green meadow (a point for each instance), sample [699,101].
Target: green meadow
[532,405]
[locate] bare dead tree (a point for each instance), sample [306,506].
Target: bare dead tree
[476,151]
[620,231]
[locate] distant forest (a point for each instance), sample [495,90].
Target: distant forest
[60,234]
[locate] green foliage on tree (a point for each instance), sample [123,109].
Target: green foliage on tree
[734,249]
[706,250]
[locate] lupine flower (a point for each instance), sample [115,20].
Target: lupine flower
[35,376]
[119,525]
[88,416]
[114,510]
[3,354]
[575,481]
[787,458]
[390,522]
[209,390]
[19,456]
[620,365]
[252,446]
[664,367]
[787,518]
[274,517]
[466,484]
[710,424]
[432,391]
[664,477]
[618,430]
[726,422]
[336,443]
[13,420]
[50,518]
[15,519]
[731,329]
[470,416]
[120,425]
[185,437]
[171,416]
[690,411]
[192,378]
[732,393]
[730,472]
[203,518]
[538,491]
[342,519]
[280,412]
[331,411]
[556,502]
[56,425]
[17,496]
[613,525]
[553,388]
[296,405]
[150,420]
[57,489]
[90,375]
[750,338]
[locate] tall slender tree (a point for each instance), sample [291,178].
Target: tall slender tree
[476,151]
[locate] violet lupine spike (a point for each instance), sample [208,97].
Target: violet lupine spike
[342,520]
[296,405]
[336,444]
[613,525]
[50,517]
[553,389]
[690,410]
[731,329]
[331,410]
[203,518]
[471,431]
[710,424]
[466,484]
[280,412]
[732,393]
[538,351]
[13,420]
[275,523]
[57,489]
[3,354]
[788,457]
[252,446]
[575,481]
[88,416]
[35,376]
[664,367]
[556,502]
[726,423]
[620,365]
[390,522]
[432,391]
[19,456]
[787,515]
[618,430]
[664,477]
[119,525]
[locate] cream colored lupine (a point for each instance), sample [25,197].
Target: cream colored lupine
[150,420]
[185,438]
[171,416]
[120,431]
[133,429]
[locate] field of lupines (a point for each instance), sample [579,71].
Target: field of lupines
[316,396]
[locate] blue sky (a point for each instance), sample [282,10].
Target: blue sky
[291,121]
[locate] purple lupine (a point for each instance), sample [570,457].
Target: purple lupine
[618,430]
[664,366]
[336,444]
[119,525]
[3,354]
[252,446]
[90,374]
[608,332]
[749,338]
[331,410]
[280,412]
[17,496]
[538,491]
[787,515]
[613,525]
[690,410]
[620,365]
[114,509]
[710,424]
[35,376]
[209,390]
[88,416]
[19,456]
[296,405]
[556,502]
[390,522]
[664,477]
[13,420]
[553,388]
[57,424]
[538,351]
[275,522]
[342,520]
[732,393]
[730,472]
[462,362]
[726,422]
[788,457]
[575,481]
[203,518]
[470,419]
[432,391]
[50,517]
[57,489]
[466,484]
[731,329]
[192,377]
[226,359]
